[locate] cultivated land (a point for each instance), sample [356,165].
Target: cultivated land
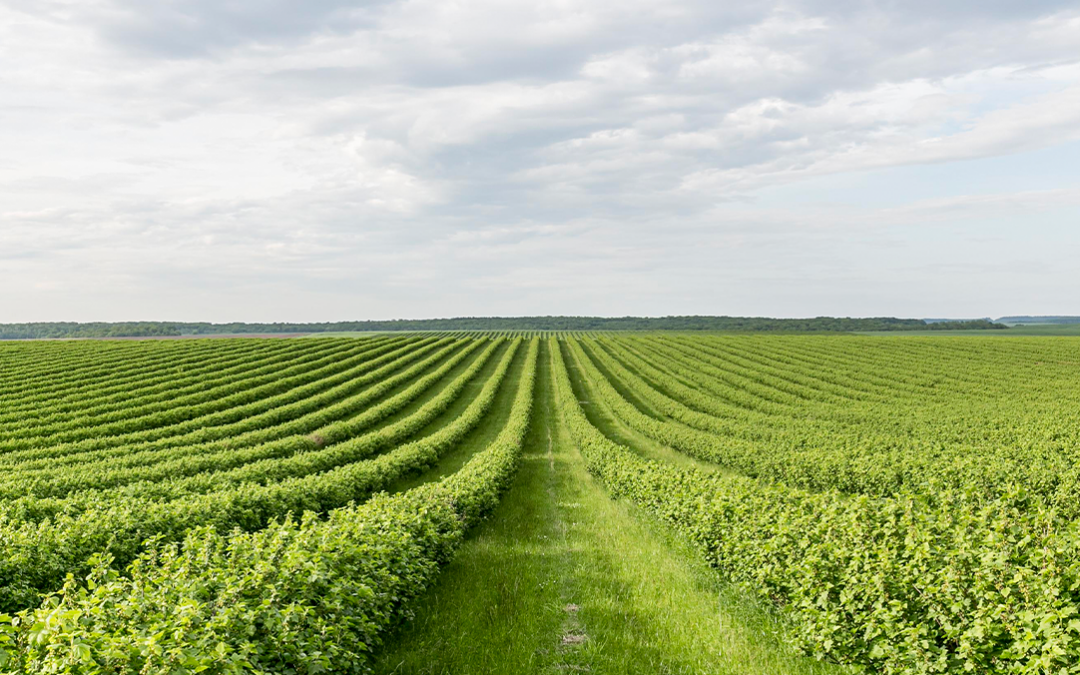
[1068,329]
[541,503]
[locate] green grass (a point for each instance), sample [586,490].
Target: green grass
[563,579]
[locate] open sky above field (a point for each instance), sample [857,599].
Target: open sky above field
[311,161]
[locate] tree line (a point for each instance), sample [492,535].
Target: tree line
[45,330]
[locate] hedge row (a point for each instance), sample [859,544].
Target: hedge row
[892,585]
[225,422]
[37,554]
[809,454]
[183,394]
[184,462]
[303,597]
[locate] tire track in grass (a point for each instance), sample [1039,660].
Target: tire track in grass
[498,607]
[562,579]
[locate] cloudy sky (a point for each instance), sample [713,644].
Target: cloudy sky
[311,160]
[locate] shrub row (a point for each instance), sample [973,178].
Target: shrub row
[36,555]
[802,454]
[298,411]
[249,381]
[892,585]
[74,368]
[308,457]
[303,597]
[184,461]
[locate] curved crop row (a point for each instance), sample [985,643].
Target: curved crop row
[301,408]
[291,598]
[860,459]
[167,483]
[890,584]
[36,556]
[232,403]
[185,462]
[78,380]
[247,381]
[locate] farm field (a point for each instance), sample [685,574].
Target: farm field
[541,503]
[1048,330]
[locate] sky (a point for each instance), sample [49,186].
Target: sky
[322,160]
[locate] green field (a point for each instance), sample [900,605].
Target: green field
[541,503]
[1066,329]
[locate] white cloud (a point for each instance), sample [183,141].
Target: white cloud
[418,157]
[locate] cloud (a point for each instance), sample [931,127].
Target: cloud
[417,157]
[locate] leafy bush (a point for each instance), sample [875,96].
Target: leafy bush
[304,597]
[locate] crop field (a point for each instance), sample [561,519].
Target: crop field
[541,503]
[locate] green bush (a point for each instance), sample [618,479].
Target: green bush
[305,597]
[890,584]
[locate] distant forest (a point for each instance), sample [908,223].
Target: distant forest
[15,331]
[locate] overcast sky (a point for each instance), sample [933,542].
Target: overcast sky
[309,160]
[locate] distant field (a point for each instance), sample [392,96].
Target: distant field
[1042,329]
[344,334]
[506,503]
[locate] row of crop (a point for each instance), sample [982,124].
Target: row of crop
[842,364]
[857,460]
[728,433]
[87,375]
[820,399]
[66,365]
[765,380]
[806,379]
[39,383]
[825,405]
[37,554]
[242,383]
[157,420]
[53,410]
[893,585]
[669,376]
[812,398]
[263,429]
[71,386]
[889,367]
[966,366]
[306,457]
[1005,404]
[294,598]
[700,396]
[827,411]
[789,364]
[676,422]
[184,461]
[295,411]
[158,387]
[995,412]
[275,437]
[734,397]
[751,390]
[910,355]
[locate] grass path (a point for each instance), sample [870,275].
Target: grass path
[561,579]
